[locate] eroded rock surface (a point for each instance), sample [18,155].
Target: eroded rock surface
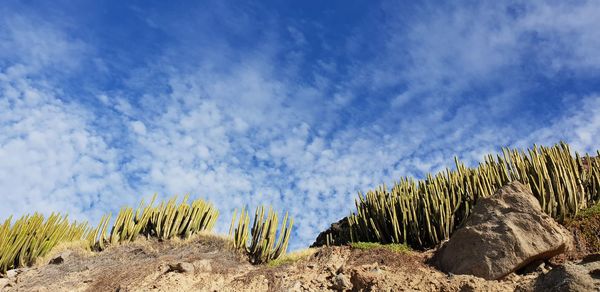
[567,277]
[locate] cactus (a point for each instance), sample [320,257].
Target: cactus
[262,246]
[166,221]
[31,237]
[423,213]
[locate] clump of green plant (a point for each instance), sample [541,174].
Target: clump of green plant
[395,247]
[263,245]
[165,221]
[592,211]
[292,257]
[585,227]
[422,213]
[31,237]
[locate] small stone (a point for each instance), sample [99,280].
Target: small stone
[181,267]
[341,282]
[203,266]
[12,273]
[60,258]
[56,261]
[164,268]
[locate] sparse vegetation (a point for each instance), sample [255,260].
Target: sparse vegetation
[31,237]
[592,211]
[292,257]
[395,247]
[586,229]
[165,221]
[262,246]
[422,213]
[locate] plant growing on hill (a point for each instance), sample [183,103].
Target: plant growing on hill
[166,221]
[422,213]
[31,237]
[262,246]
[395,247]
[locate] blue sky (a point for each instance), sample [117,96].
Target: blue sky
[299,105]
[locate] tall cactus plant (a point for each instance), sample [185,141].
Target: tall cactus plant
[263,245]
[165,221]
[32,236]
[423,213]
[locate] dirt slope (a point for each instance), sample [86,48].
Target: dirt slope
[206,264]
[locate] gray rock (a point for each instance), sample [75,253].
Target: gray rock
[341,282]
[568,277]
[12,273]
[203,266]
[60,258]
[505,232]
[338,232]
[56,261]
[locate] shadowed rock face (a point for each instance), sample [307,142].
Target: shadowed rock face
[505,232]
[568,277]
[339,233]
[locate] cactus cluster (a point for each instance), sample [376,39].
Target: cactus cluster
[165,221]
[263,245]
[422,213]
[32,236]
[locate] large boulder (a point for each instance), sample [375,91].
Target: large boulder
[504,233]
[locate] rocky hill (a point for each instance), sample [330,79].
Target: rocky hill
[506,253]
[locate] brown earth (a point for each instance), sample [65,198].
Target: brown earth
[205,263]
[586,234]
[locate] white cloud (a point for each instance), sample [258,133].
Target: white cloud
[579,126]
[138,127]
[37,43]
[50,160]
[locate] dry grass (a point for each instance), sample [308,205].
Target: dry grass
[292,257]
[80,247]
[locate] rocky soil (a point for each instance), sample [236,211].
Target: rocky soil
[205,263]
